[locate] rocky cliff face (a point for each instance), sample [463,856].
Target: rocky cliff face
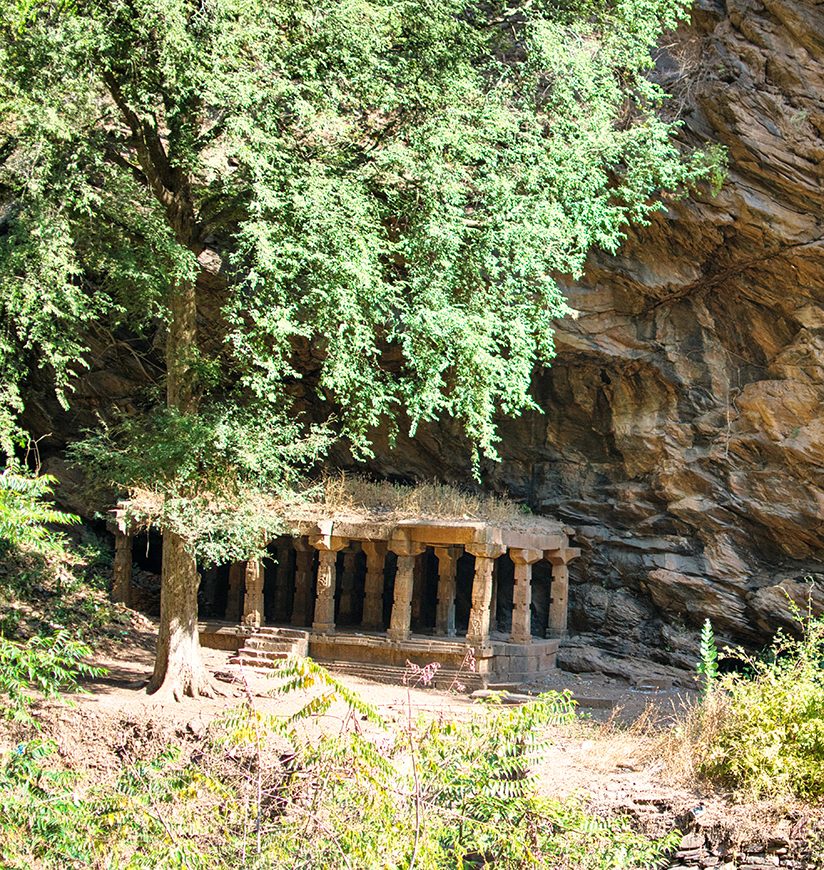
[684,427]
[683,434]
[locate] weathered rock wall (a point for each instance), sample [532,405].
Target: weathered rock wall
[684,425]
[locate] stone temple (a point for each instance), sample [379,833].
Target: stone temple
[485,599]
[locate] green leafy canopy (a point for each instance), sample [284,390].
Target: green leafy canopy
[388,186]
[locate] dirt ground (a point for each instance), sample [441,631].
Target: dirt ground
[601,759]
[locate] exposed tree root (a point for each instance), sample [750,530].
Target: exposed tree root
[175,688]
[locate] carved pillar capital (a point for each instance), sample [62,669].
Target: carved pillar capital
[562,555]
[486,550]
[328,543]
[524,556]
[402,545]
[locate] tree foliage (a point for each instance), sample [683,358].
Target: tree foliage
[390,188]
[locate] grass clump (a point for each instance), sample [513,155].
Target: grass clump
[759,730]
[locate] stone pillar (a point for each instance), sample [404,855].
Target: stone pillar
[253,600]
[303,582]
[522,593]
[373,588]
[328,547]
[346,611]
[407,551]
[237,578]
[559,595]
[283,582]
[447,569]
[122,569]
[479,616]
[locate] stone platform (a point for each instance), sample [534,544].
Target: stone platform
[494,662]
[373,655]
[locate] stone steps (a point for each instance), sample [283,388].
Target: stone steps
[265,644]
[258,658]
[270,644]
[276,631]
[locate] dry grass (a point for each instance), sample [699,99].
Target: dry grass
[343,494]
[680,747]
[615,745]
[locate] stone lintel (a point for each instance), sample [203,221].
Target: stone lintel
[547,535]
[434,534]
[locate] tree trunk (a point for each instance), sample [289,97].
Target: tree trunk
[179,668]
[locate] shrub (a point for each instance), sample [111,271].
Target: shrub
[760,731]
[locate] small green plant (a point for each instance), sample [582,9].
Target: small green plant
[26,514]
[47,665]
[708,658]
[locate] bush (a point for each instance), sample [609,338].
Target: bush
[760,731]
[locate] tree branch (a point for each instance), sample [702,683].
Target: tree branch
[114,156]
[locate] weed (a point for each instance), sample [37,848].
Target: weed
[708,658]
